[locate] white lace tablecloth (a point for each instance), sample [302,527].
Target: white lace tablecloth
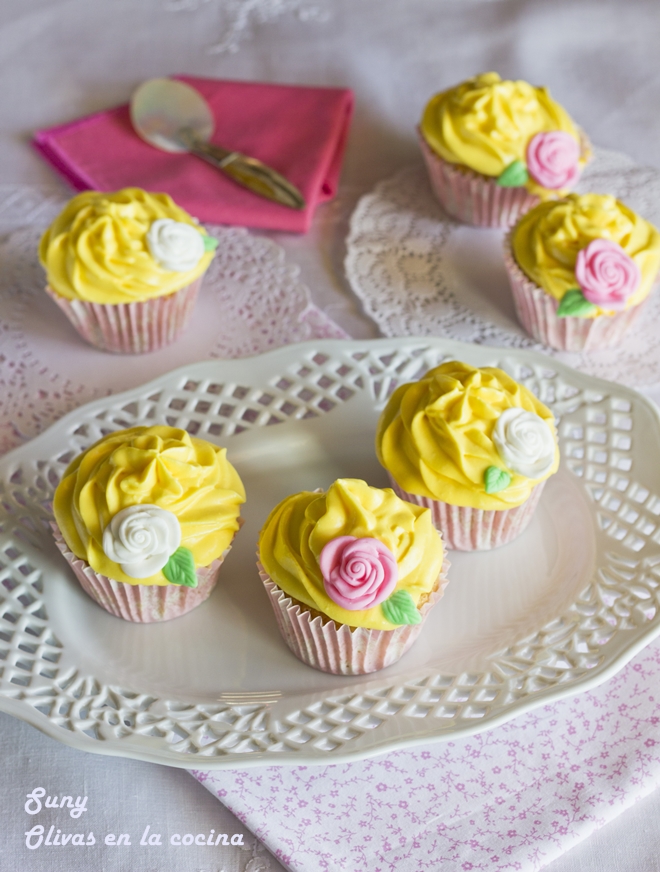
[61,59]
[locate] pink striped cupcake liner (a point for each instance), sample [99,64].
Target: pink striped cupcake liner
[537,312]
[140,603]
[131,328]
[473,198]
[343,650]
[467,529]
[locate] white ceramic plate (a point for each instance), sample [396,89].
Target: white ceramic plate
[555,612]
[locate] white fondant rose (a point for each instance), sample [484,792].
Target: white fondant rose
[174,245]
[524,442]
[141,539]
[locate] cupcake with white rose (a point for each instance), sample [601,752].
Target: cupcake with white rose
[125,267]
[472,445]
[581,270]
[145,518]
[351,574]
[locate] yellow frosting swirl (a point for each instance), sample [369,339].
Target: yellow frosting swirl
[297,530]
[161,466]
[96,249]
[435,436]
[547,239]
[486,123]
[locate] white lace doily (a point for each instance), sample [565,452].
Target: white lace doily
[420,273]
[251,300]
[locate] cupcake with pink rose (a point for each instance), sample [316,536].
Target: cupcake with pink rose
[494,148]
[125,267]
[581,270]
[145,517]
[351,574]
[473,446]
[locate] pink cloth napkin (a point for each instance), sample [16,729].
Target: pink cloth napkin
[513,798]
[301,132]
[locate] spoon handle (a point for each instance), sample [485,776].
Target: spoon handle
[251,173]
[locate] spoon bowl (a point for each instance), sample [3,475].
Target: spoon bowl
[161,108]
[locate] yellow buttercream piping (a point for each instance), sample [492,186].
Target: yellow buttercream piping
[547,239]
[486,123]
[161,466]
[435,435]
[299,527]
[96,249]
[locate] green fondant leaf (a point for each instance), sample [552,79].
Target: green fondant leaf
[574,304]
[180,568]
[496,479]
[400,608]
[514,176]
[210,243]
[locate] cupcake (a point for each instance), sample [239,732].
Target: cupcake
[473,446]
[580,270]
[351,575]
[125,267]
[145,518]
[494,148]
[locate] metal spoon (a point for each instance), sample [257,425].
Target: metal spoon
[174,117]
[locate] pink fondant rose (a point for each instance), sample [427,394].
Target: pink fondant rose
[607,276]
[358,573]
[552,159]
